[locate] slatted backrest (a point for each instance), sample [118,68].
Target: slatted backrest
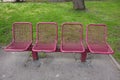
[22,32]
[72,33]
[47,32]
[96,34]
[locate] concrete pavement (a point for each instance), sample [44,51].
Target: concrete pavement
[57,66]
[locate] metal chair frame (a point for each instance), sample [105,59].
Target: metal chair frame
[21,44]
[97,43]
[17,44]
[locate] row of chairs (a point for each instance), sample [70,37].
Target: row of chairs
[71,37]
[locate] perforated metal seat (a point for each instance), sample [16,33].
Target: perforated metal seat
[72,37]
[22,37]
[96,35]
[46,39]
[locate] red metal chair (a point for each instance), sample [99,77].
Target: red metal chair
[96,39]
[72,37]
[46,38]
[22,37]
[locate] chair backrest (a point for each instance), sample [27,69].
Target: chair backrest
[72,33]
[22,31]
[96,33]
[47,32]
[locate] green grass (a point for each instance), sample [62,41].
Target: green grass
[97,12]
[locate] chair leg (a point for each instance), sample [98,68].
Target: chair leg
[35,55]
[83,56]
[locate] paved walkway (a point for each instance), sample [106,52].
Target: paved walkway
[57,66]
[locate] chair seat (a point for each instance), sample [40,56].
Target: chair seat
[38,47]
[72,47]
[100,48]
[18,46]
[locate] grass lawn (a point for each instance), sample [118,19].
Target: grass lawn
[96,12]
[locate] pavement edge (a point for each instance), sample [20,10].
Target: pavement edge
[115,62]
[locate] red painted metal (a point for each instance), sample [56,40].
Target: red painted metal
[96,39]
[35,55]
[22,37]
[84,55]
[57,49]
[47,36]
[72,37]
